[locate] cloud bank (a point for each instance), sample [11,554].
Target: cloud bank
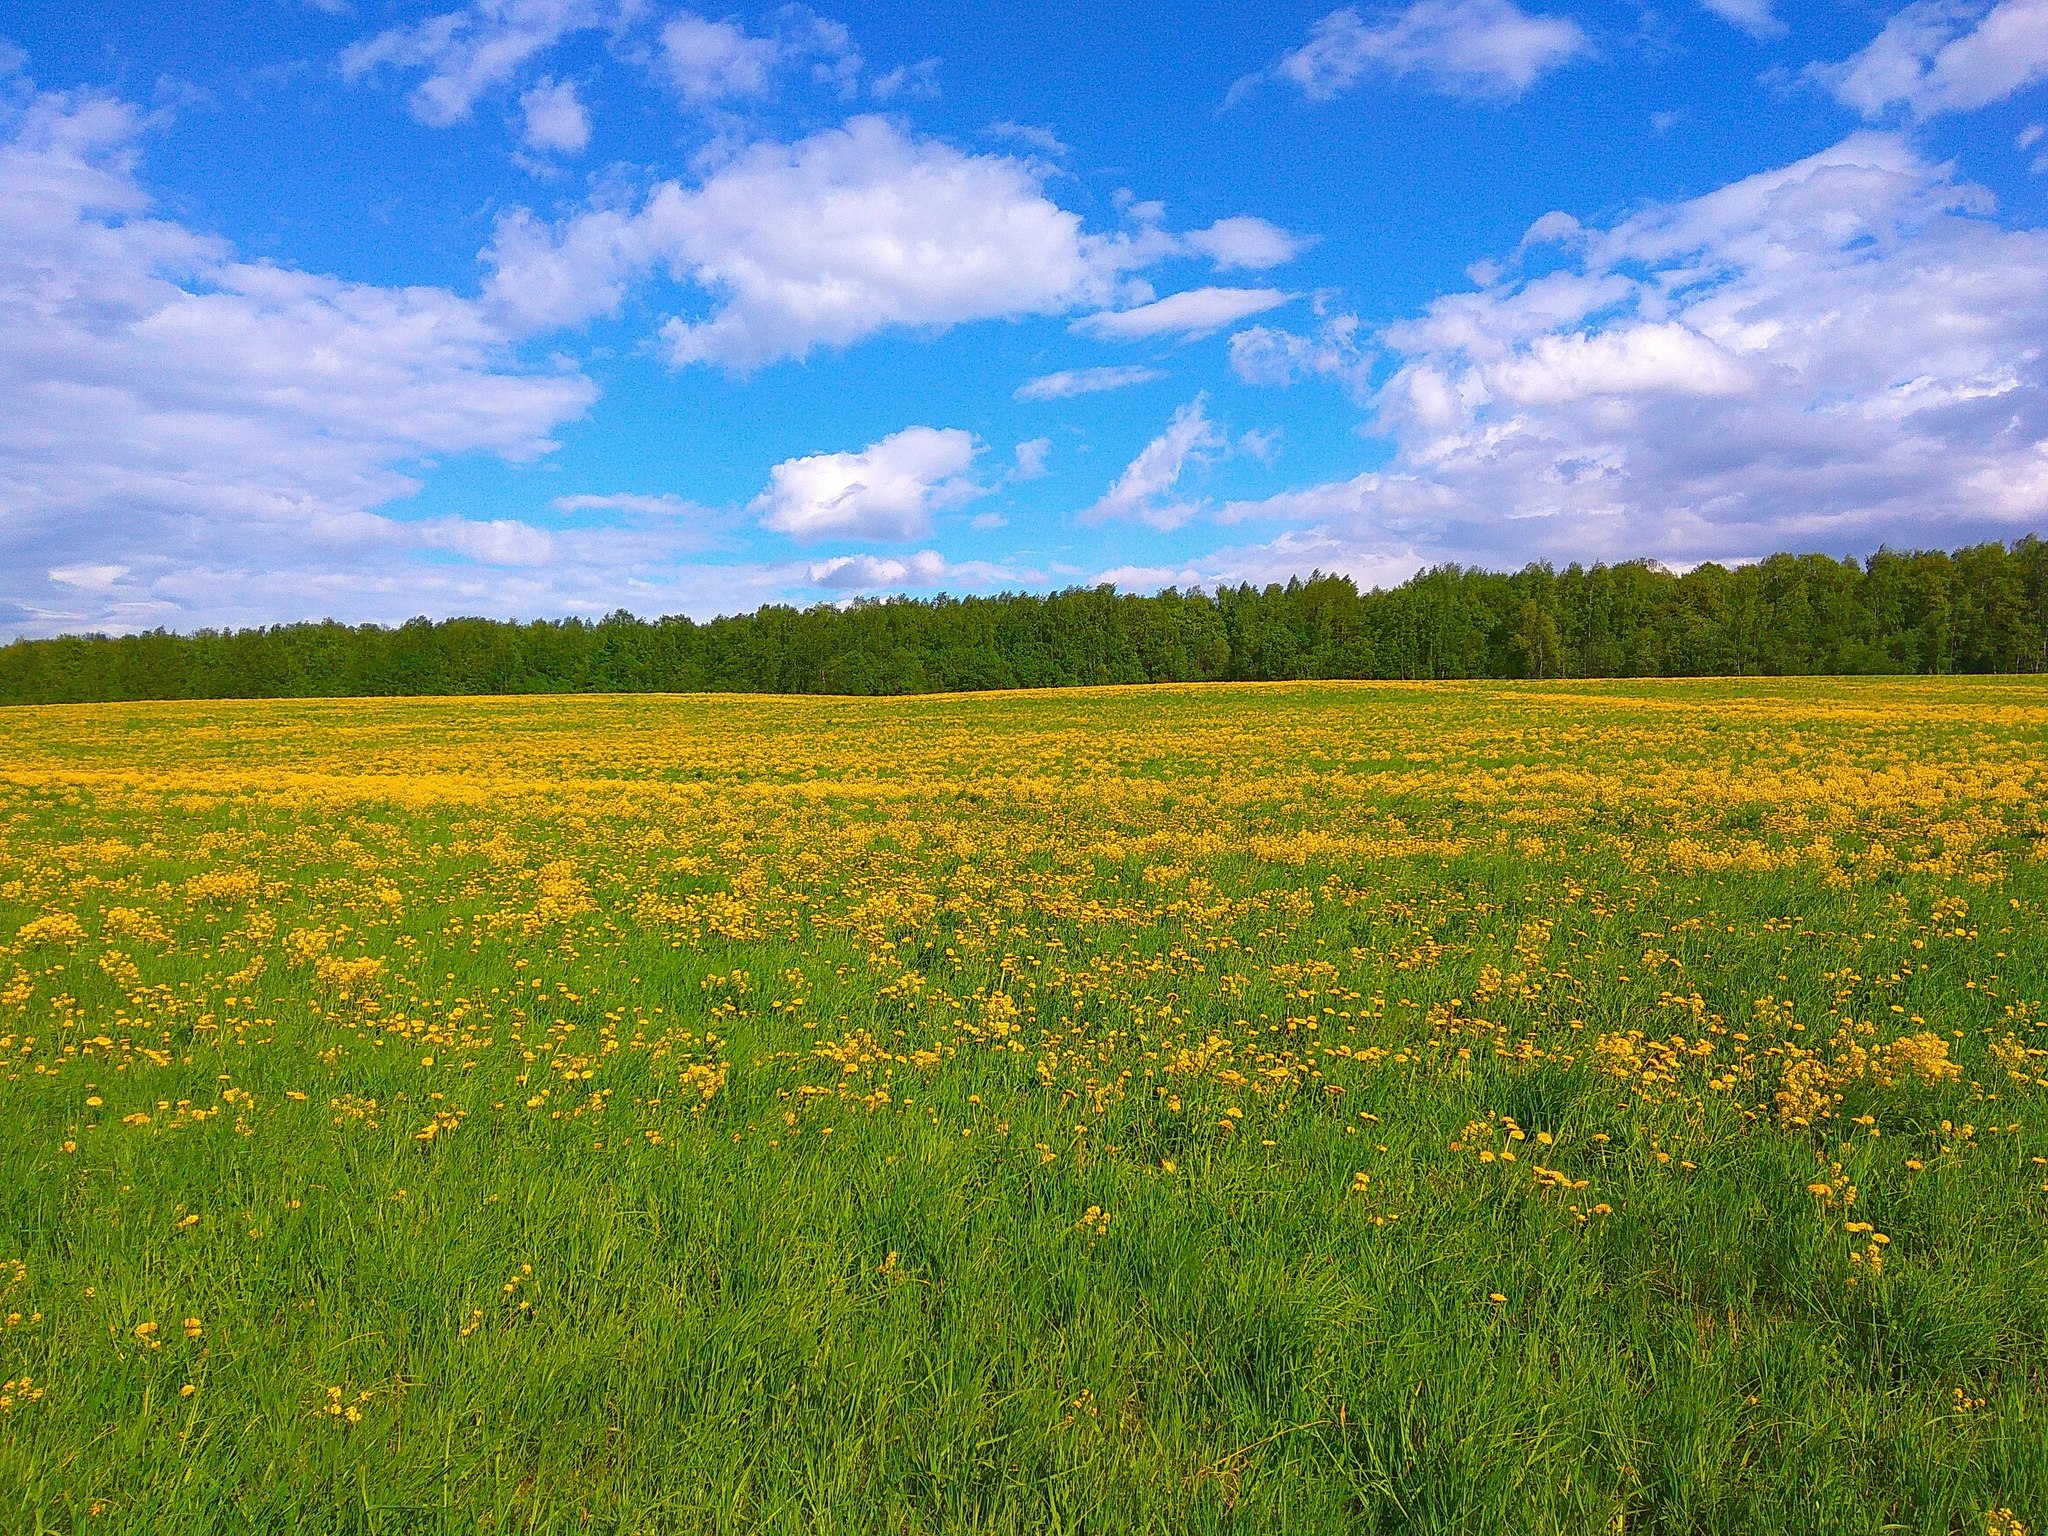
[1842,352]
[180,417]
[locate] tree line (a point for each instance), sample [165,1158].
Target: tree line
[1982,609]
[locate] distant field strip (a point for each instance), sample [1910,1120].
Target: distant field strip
[1265,1108]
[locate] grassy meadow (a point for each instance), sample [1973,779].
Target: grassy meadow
[1265,1108]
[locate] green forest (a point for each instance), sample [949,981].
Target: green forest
[1982,609]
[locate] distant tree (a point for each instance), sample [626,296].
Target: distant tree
[1983,609]
[1537,641]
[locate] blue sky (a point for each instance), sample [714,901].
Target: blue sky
[363,309]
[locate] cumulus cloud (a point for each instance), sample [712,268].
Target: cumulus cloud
[1245,242]
[472,51]
[1835,354]
[1148,491]
[820,243]
[1944,56]
[1475,48]
[1031,457]
[1069,382]
[1759,18]
[1267,355]
[715,61]
[874,573]
[180,418]
[1635,360]
[888,490]
[715,64]
[555,118]
[1197,312]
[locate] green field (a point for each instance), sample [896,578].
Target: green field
[1266,1108]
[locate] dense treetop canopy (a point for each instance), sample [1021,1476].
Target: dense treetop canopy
[1983,609]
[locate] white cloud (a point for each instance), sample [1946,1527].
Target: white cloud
[1261,445]
[1835,354]
[1245,242]
[1031,458]
[1196,312]
[667,505]
[1477,48]
[888,490]
[712,64]
[1267,355]
[1148,489]
[555,119]
[1044,140]
[1759,18]
[501,541]
[868,573]
[821,243]
[1085,381]
[179,417]
[715,61]
[470,52]
[1647,359]
[829,45]
[88,578]
[925,570]
[909,82]
[1944,56]
[1295,552]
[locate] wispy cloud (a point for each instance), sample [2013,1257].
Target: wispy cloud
[1197,312]
[1086,381]
[1267,355]
[1148,491]
[1478,48]
[1044,140]
[1759,18]
[469,52]
[627,501]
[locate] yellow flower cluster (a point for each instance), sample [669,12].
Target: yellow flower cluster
[1088,937]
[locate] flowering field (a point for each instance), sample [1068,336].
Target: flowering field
[1321,1107]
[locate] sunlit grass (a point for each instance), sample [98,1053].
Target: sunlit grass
[1269,1108]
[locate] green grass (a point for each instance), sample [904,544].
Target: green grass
[988,946]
